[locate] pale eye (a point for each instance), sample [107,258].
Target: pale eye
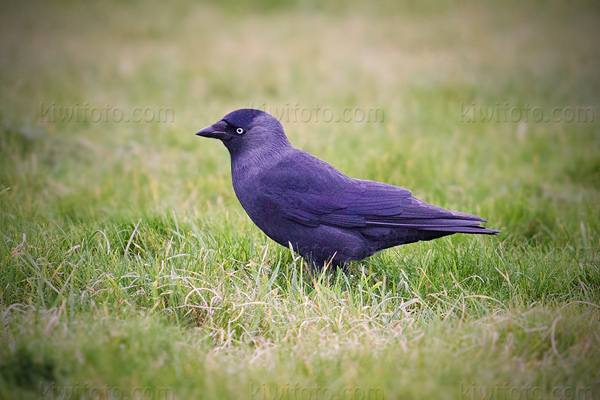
[239,131]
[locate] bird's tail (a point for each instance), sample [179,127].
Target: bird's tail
[460,229]
[448,222]
[449,225]
[429,219]
[441,220]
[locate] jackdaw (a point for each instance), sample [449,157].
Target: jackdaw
[327,217]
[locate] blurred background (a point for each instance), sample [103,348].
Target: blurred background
[100,102]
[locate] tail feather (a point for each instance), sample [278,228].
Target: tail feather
[428,219]
[438,225]
[461,229]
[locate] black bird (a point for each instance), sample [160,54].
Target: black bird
[326,216]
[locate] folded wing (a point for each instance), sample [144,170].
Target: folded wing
[324,196]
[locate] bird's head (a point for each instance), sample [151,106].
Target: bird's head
[247,130]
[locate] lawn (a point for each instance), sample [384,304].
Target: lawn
[130,271]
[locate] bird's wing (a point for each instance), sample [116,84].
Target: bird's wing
[312,193]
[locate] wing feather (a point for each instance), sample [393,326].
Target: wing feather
[324,196]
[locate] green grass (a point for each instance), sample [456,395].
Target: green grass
[129,269]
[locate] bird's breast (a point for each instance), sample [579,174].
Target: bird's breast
[266,213]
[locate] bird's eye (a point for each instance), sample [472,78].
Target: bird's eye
[239,131]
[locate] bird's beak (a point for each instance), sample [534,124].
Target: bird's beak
[216,130]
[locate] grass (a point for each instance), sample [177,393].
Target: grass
[129,269]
